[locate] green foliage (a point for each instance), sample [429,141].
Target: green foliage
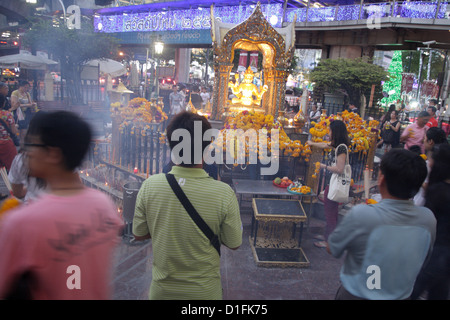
[411,63]
[72,48]
[354,76]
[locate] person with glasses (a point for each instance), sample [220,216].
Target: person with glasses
[61,245]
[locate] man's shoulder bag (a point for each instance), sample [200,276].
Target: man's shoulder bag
[213,238]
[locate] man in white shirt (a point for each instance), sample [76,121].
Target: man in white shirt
[176,101]
[205,96]
[314,115]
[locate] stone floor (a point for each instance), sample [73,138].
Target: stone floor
[242,279]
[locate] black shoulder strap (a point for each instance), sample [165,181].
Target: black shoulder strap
[213,238]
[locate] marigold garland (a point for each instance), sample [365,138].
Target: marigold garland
[141,110]
[359,130]
[246,120]
[8,204]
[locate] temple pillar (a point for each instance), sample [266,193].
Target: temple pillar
[269,97]
[220,96]
[280,90]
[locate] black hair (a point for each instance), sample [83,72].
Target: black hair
[433,100]
[404,172]
[186,120]
[23,83]
[441,164]
[415,149]
[437,135]
[423,114]
[64,130]
[339,133]
[433,108]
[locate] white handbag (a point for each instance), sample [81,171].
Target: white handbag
[339,188]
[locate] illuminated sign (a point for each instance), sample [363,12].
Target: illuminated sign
[190,19]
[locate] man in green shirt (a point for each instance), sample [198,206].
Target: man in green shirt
[185,263]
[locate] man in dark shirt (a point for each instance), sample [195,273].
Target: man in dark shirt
[195,97]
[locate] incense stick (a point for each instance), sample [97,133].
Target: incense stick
[5,179]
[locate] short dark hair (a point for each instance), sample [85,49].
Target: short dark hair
[433,100]
[433,108]
[23,83]
[415,149]
[186,120]
[437,135]
[423,114]
[404,172]
[339,133]
[64,130]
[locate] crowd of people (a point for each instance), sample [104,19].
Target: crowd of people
[410,227]
[406,234]
[180,97]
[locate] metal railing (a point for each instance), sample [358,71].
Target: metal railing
[90,90]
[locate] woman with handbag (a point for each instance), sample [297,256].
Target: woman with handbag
[8,129]
[336,163]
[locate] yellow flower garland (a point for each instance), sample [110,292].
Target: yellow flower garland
[359,131]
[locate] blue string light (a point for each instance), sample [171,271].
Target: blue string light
[196,19]
[190,19]
[418,9]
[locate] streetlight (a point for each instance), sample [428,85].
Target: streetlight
[159,46]
[158,49]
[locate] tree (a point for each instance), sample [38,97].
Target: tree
[354,76]
[411,63]
[71,47]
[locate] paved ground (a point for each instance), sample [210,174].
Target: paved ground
[242,279]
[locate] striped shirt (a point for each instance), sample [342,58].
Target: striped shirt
[185,264]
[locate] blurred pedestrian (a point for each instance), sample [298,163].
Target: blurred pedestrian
[314,114]
[392,230]
[390,131]
[434,137]
[186,264]
[23,106]
[435,277]
[415,132]
[5,103]
[8,132]
[195,97]
[387,115]
[176,99]
[61,245]
[23,185]
[433,121]
[205,97]
[337,158]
